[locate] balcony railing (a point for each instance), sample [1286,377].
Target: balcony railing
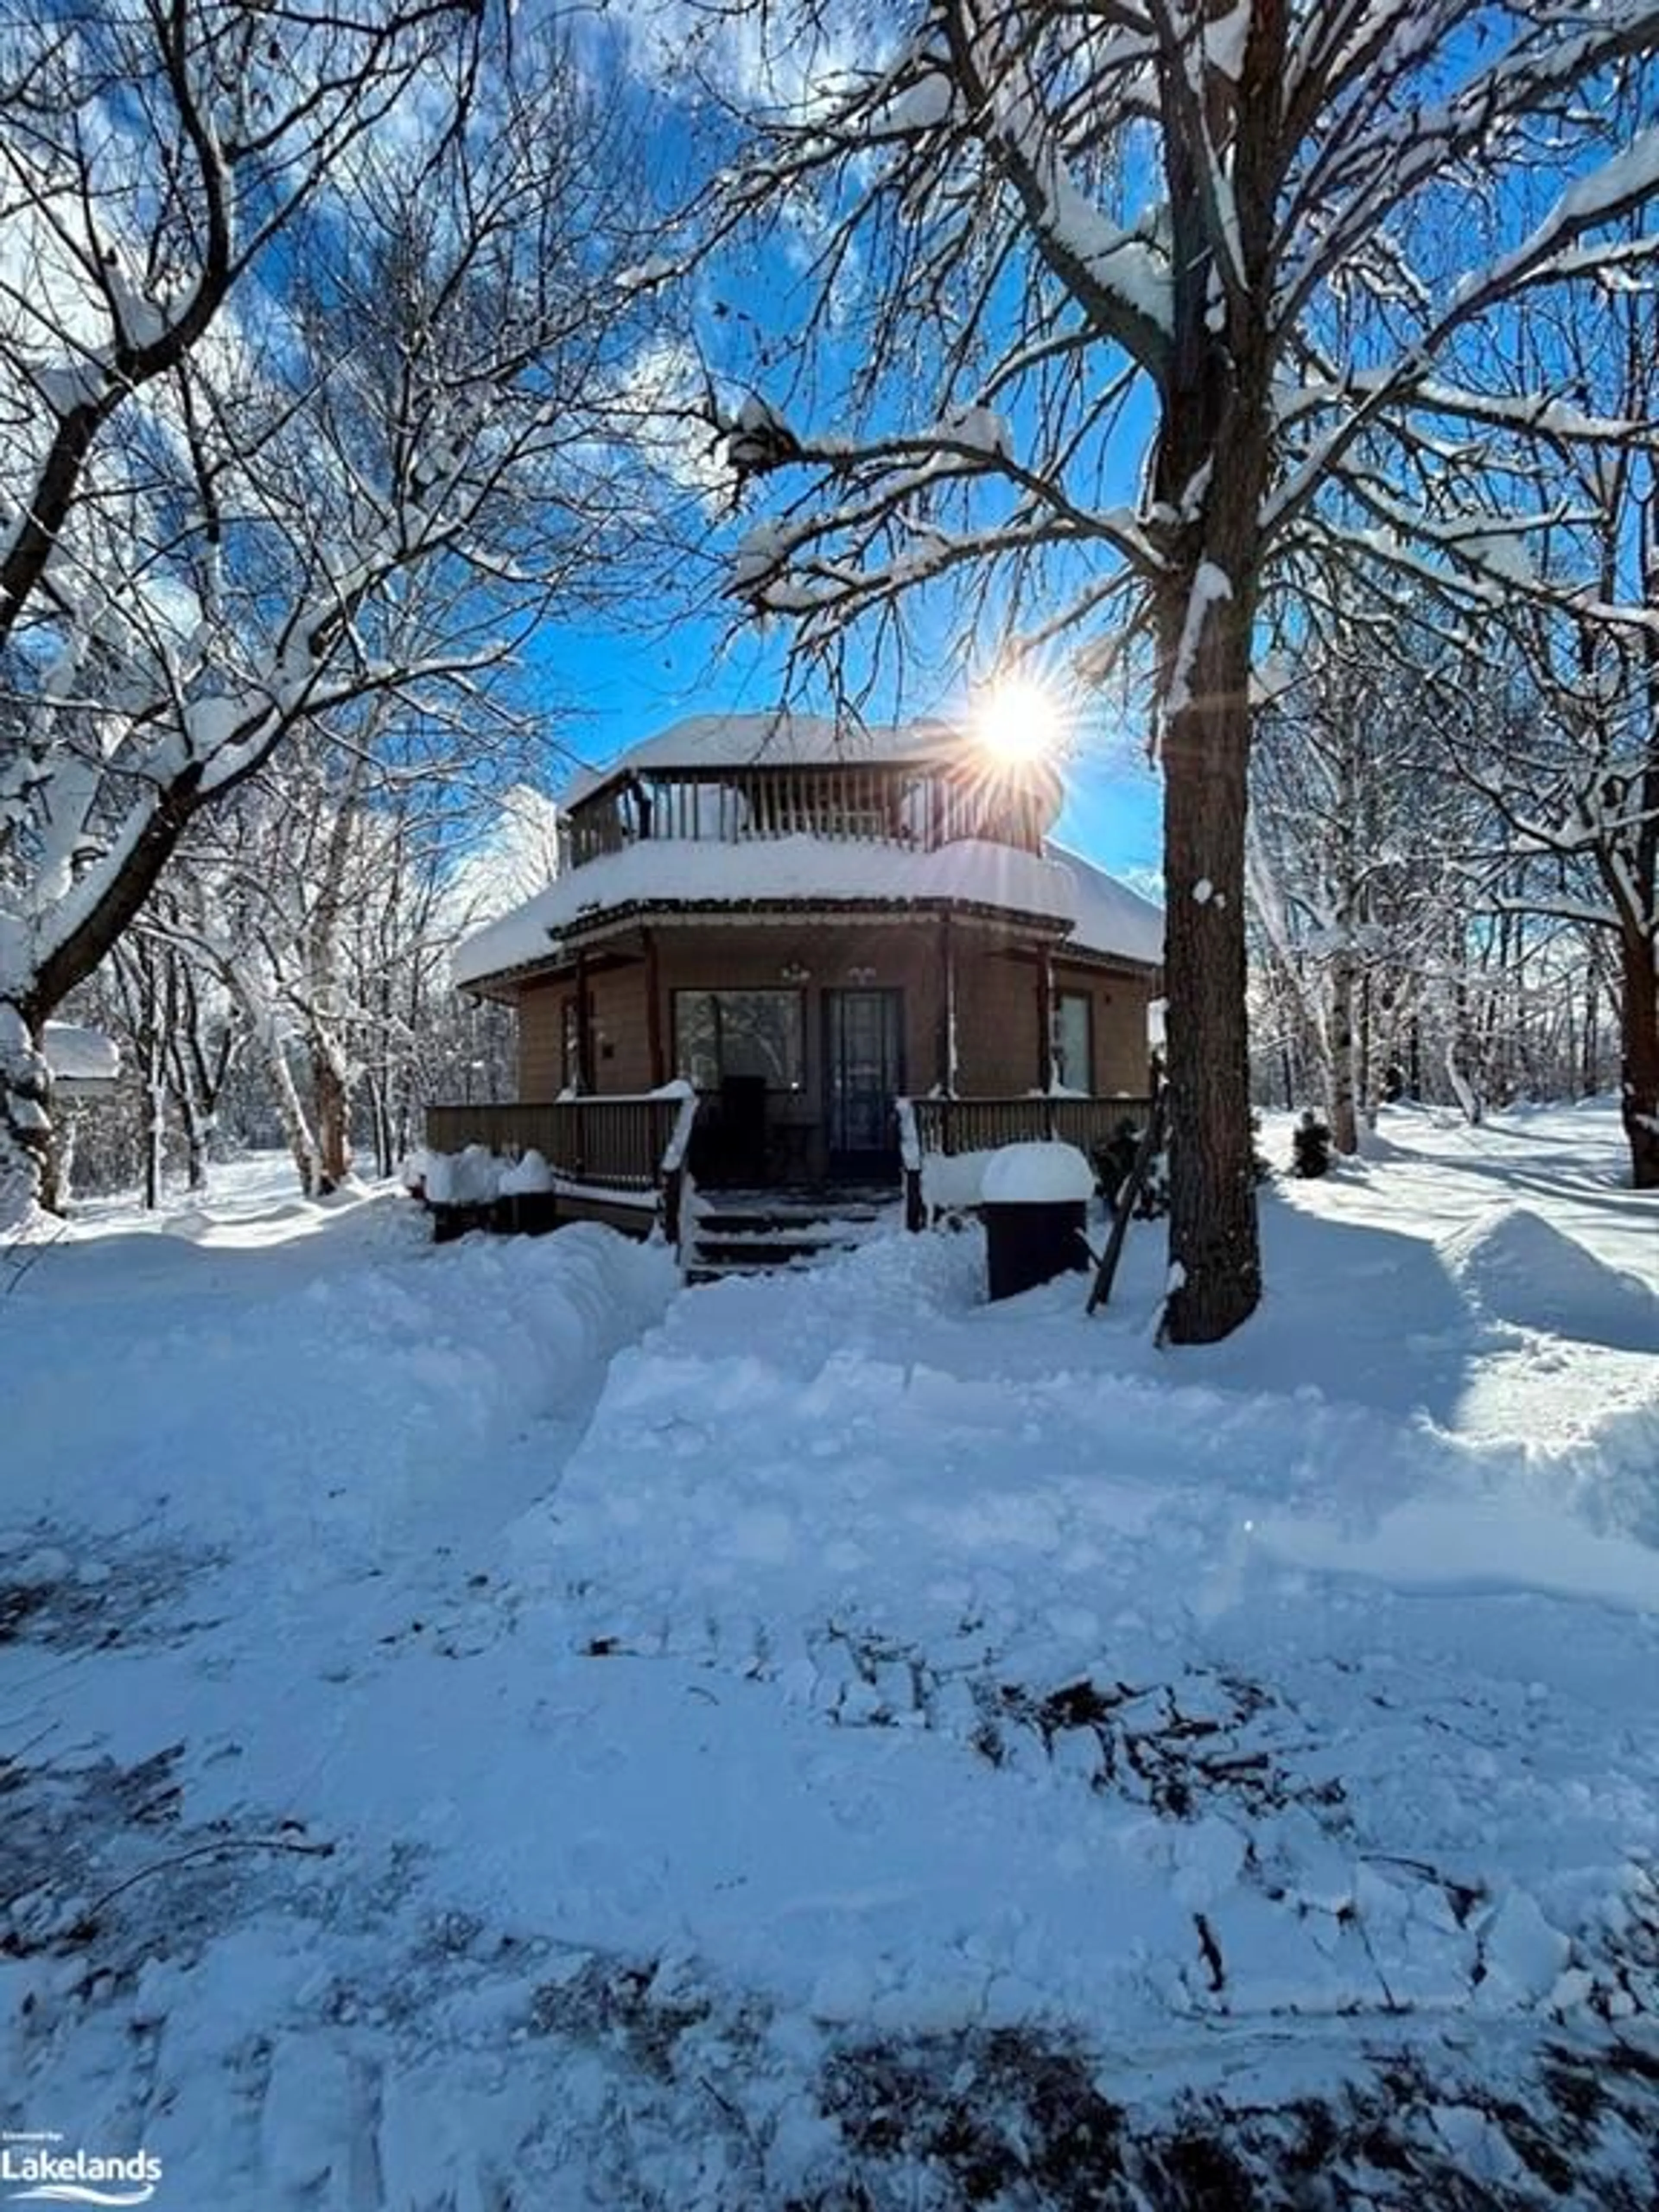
[921,808]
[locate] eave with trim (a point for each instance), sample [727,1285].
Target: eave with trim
[588,933]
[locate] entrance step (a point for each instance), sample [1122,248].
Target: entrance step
[734,1232]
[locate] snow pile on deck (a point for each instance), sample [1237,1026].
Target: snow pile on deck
[487,1730]
[1043,1174]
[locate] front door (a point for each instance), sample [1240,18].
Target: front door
[863,1061]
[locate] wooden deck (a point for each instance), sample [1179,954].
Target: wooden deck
[623,1160]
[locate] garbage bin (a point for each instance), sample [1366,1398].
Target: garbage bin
[1034,1199]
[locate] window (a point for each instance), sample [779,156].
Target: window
[721,1033]
[1074,1040]
[570,1046]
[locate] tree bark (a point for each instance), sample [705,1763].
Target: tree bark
[1345,1118]
[1215,1252]
[301,1143]
[331,1097]
[60,1163]
[1212,466]
[1638,1086]
[25,1114]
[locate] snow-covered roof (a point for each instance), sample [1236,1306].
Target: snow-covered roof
[79,1056]
[774,740]
[1105,916]
[1109,917]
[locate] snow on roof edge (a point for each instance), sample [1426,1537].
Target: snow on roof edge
[1105,916]
[780,739]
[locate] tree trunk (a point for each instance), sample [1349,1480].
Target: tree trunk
[1638,1041]
[1345,1117]
[1364,1076]
[60,1162]
[1469,1098]
[1214,1248]
[301,1144]
[331,1098]
[25,1117]
[155,1128]
[380,1122]
[196,1069]
[198,1127]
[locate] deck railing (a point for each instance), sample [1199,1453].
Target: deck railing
[636,1146]
[953,1126]
[618,1143]
[948,1127]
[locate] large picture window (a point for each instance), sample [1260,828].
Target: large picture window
[721,1033]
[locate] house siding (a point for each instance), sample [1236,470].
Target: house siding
[621,1030]
[541,1042]
[997,1035]
[1117,1028]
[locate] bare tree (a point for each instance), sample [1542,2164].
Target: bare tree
[1131,292]
[1576,785]
[1360,846]
[224,489]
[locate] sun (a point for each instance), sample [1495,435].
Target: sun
[1017,722]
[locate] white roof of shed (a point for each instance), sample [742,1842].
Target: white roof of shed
[77,1054]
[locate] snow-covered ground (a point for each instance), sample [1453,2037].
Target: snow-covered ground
[481,1728]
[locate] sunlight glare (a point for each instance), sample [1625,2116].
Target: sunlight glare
[1016,720]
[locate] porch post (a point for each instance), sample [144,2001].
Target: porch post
[944,1055]
[1045,1017]
[653,1012]
[584,1028]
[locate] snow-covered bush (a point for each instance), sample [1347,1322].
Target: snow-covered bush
[1114,1160]
[1311,1145]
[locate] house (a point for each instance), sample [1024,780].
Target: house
[842,943]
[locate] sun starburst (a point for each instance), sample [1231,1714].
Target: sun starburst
[1017,722]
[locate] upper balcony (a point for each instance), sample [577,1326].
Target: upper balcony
[731,815]
[919,806]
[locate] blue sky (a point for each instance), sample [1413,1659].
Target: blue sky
[610,686]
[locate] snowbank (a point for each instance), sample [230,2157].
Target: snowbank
[1518,1267]
[951,1182]
[81,1058]
[516,1730]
